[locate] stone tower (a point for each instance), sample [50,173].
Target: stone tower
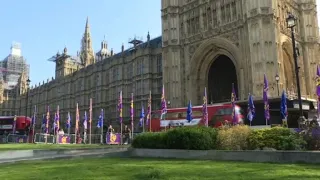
[172,55]
[87,55]
[22,83]
[65,64]
[213,44]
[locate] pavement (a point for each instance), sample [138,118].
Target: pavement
[67,154]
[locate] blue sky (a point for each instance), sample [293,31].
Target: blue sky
[44,27]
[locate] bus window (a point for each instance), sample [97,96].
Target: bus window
[238,110]
[154,115]
[223,112]
[181,115]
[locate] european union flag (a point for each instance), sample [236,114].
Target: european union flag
[85,120]
[142,115]
[100,120]
[189,112]
[283,108]
[251,109]
[68,124]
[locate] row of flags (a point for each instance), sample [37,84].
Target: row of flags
[142,122]
[56,122]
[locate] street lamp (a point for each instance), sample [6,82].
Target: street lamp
[27,99]
[277,80]
[291,23]
[169,103]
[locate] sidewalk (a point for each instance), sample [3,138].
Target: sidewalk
[67,156]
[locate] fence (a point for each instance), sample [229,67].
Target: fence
[41,138]
[15,138]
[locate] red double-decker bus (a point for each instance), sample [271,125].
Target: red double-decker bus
[23,125]
[217,114]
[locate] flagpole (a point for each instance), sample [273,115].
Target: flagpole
[90,120]
[150,112]
[101,136]
[206,106]
[132,111]
[77,124]
[34,122]
[142,108]
[69,119]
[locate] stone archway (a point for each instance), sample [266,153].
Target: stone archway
[205,56]
[288,68]
[289,78]
[222,73]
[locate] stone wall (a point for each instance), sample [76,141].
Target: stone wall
[249,156]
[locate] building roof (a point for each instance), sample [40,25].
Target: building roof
[153,43]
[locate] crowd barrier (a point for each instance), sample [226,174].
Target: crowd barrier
[42,138]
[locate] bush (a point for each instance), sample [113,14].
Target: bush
[278,138]
[193,138]
[233,138]
[312,137]
[150,141]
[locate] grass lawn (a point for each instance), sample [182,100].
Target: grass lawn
[5,147]
[144,169]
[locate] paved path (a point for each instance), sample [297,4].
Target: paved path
[68,156]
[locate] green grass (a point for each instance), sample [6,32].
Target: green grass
[144,169]
[6,147]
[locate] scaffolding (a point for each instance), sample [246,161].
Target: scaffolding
[13,66]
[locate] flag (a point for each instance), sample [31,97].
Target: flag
[189,112]
[205,107]
[90,112]
[251,108]
[142,115]
[131,110]
[149,110]
[318,88]
[120,107]
[100,120]
[233,103]
[163,102]
[283,108]
[33,120]
[77,119]
[68,124]
[55,122]
[44,122]
[47,122]
[85,121]
[14,124]
[58,119]
[265,99]
[318,81]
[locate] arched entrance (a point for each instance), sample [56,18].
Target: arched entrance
[289,75]
[222,73]
[215,65]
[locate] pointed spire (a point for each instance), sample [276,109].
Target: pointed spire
[87,23]
[87,54]
[148,36]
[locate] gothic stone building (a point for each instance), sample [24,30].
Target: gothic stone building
[219,42]
[101,77]
[204,44]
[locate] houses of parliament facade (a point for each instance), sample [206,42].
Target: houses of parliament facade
[203,44]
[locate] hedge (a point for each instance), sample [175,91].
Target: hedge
[278,138]
[226,138]
[180,138]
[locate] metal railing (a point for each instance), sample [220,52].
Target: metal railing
[15,138]
[41,138]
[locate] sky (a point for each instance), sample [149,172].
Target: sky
[44,27]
